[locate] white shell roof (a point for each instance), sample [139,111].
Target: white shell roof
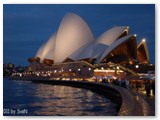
[84,52]
[47,50]
[97,47]
[102,43]
[112,47]
[72,35]
[145,47]
[40,51]
[111,35]
[74,39]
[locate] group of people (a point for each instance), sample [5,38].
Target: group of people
[122,82]
[148,86]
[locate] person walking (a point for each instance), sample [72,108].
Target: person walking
[127,84]
[153,87]
[119,82]
[137,85]
[148,88]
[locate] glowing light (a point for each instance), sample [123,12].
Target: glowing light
[135,35]
[79,69]
[102,68]
[117,67]
[130,62]
[143,40]
[137,66]
[89,68]
[55,71]
[70,70]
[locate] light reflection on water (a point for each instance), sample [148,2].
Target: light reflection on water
[44,99]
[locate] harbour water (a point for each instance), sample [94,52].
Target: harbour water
[32,99]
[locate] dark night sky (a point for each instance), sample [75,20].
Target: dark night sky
[27,27]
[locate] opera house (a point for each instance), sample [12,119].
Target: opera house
[74,51]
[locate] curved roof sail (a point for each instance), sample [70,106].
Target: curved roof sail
[46,51]
[72,34]
[112,35]
[74,40]
[107,38]
[84,52]
[143,54]
[114,46]
[40,51]
[103,42]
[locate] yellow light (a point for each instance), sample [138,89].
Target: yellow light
[143,40]
[102,68]
[130,62]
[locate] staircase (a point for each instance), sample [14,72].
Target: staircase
[127,70]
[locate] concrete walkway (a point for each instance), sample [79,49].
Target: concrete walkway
[141,97]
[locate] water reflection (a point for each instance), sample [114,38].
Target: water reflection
[44,99]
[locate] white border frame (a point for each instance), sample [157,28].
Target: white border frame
[157,43]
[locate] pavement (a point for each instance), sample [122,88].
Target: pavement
[150,100]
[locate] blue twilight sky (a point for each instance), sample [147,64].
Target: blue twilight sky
[27,26]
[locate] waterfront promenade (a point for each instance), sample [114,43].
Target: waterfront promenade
[131,103]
